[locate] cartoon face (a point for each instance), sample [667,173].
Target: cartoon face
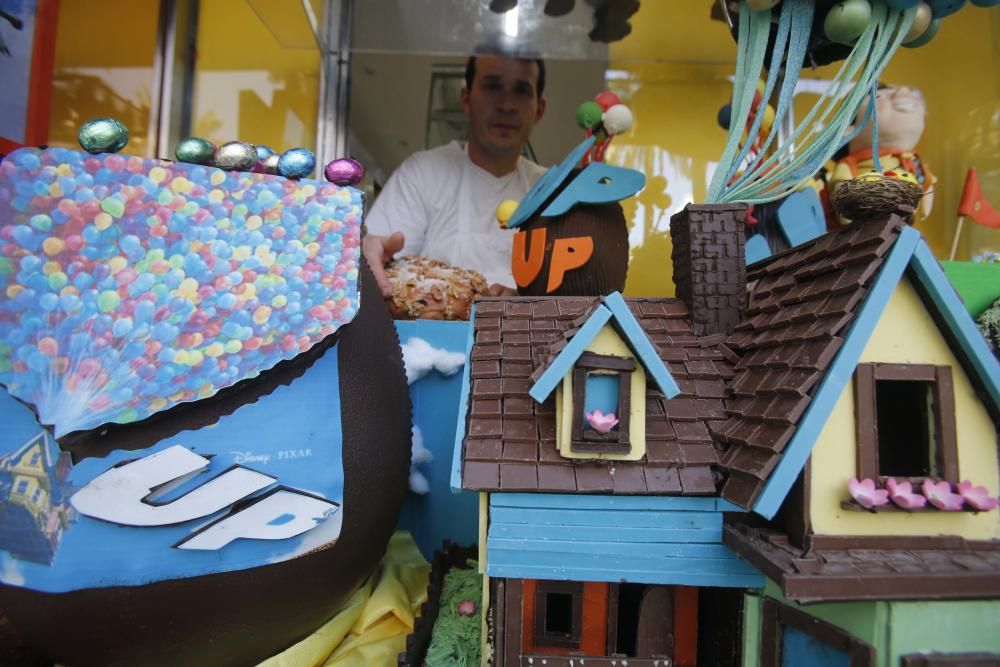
[901,113]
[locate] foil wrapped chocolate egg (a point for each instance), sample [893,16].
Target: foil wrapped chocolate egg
[344,171]
[236,156]
[103,135]
[195,150]
[270,163]
[264,152]
[296,163]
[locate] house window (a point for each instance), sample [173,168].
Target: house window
[22,487]
[790,638]
[558,614]
[906,422]
[35,458]
[36,495]
[601,404]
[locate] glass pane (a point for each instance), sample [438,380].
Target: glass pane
[257,74]
[97,77]
[601,394]
[674,72]
[798,648]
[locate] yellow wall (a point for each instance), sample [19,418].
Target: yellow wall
[608,342]
[672,72]
[24,467]
[257,76]
[103,67]
[905,334]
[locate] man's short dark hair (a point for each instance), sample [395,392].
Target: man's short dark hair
[470,71]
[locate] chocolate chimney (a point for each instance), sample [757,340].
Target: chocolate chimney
[710,265]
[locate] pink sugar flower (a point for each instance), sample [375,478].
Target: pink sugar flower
[939,494]
[602,423]
[902,494]
[977,496]
[865,493]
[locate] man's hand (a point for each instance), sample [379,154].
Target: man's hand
[378,250]
[496,289]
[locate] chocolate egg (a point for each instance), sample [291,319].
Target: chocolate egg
[344,171]
[921,21]
[103,135]
[296,163]
[270,163]
[927,35]
[846,21]
[942,8]
[236,156]
[588,115]
[195,150]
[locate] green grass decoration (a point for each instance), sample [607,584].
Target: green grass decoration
[456,640]
[825,128]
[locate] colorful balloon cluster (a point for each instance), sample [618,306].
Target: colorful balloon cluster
[128,285]
[847,19]
[603,118]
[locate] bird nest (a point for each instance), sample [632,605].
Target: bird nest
[867,198]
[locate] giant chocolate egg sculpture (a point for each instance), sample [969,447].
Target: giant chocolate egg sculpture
[205,430]
[571,238]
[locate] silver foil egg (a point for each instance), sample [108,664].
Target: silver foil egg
[235,156]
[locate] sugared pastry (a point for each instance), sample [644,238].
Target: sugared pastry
[424,288]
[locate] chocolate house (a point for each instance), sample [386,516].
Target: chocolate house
[669,481]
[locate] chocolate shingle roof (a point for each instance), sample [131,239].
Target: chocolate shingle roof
[801,305]
[510,440]
[895,570]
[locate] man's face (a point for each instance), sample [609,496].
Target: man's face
[503,104]
[901,113]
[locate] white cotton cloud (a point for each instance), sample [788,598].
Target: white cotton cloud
[421,358]
[419,455]
[10,571]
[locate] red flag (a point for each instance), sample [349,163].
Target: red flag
[974,204]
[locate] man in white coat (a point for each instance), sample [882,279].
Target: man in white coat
[441,203]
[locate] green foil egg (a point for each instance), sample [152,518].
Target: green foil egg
[103,135]
[195,150]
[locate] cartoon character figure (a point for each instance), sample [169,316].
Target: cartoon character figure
[900,113]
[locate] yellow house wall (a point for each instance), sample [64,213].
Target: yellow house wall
[25,499]
[607,342]
[905,334]
[24,467]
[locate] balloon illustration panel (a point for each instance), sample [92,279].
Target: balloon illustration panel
[129,285]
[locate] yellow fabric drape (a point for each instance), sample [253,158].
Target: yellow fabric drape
[372,626]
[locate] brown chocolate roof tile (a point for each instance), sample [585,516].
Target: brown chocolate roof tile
[593,478]
[662,480]
[899,569]
[556,477]
[628,479]
[518,477]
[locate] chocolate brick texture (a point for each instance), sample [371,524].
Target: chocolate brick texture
[710,265]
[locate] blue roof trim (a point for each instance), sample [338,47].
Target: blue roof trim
[463,407]
[612,306]
[946,302]
[641,345]
[564,360]
[837,376]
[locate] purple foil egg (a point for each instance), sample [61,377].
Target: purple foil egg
[344,171]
